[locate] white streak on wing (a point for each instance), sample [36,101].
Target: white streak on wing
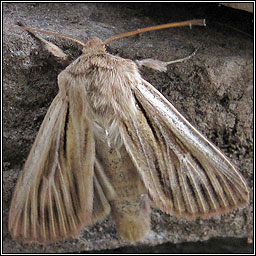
[180,126]
[192,138]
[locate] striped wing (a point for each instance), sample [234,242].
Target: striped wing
[185,174]
[53,198]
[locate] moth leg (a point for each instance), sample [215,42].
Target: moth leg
[161,65]
[101,207]
[52,48]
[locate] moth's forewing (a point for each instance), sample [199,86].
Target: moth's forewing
[53,198]
[186,175]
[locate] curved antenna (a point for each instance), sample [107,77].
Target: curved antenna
[190,23]
[47,33]
[169,25]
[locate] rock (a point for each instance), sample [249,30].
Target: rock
[241,6]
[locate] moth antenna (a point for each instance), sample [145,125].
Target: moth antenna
[199,22]
[21,27]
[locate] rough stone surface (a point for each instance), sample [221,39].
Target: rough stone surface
[213,90]
[242,6]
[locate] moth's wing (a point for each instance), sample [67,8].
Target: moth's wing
[185,174]
[53,198]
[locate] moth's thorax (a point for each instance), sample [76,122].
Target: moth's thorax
[106,83]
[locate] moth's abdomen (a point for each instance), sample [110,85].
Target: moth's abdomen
[130,205]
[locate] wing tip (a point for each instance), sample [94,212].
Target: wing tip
[207,215]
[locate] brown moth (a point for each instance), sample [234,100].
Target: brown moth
[111,143]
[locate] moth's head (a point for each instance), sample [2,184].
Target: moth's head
[94,45]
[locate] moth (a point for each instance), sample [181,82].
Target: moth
[110,143]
